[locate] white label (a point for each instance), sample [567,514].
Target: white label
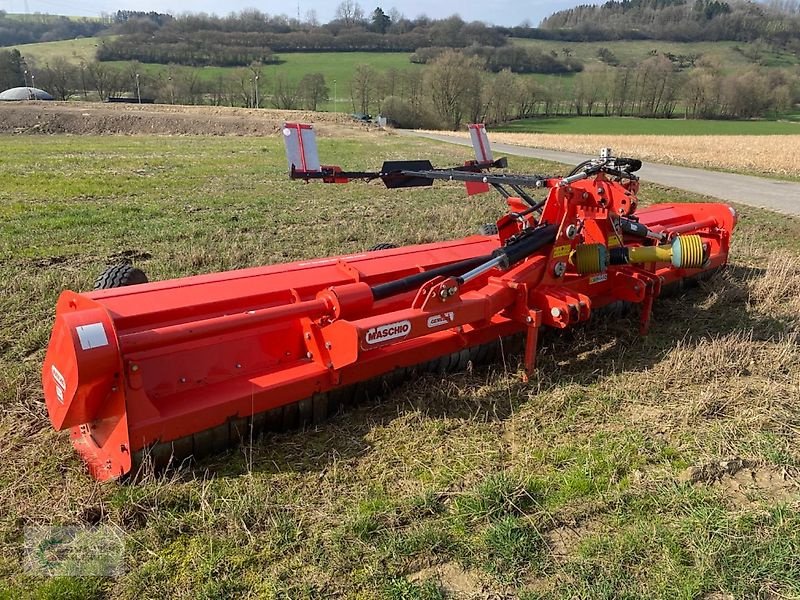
[60,393]
[390,331]
[58,377]
[92,336]
[439,320]
[598,278]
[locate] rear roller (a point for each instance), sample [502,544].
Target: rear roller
[307,412]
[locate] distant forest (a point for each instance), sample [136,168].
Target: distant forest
[472,71]
[30,29]
[252,36]
[776,22]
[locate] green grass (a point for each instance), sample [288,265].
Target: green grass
[636,126]
[730,55]
[471,483]
[335,66]
[74,51]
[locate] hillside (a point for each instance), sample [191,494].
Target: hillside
[679,20]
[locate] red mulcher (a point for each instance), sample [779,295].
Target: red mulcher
[167,370]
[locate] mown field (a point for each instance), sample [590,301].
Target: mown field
[629,467]
[637,126]
[762,155]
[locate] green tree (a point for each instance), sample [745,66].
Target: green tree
[380,21]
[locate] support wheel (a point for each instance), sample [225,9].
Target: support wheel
[119,276]
[488,229]
[383,246]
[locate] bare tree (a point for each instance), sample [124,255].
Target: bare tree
[284,93]
[363,88]
[60,78]
[105,80]
[313,90]
[454,82]
[502,96]
[350,13]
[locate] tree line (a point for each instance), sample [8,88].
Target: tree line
[453,88]
[517,59]
[776,22]
[456,88]
[232,39]
[28,29]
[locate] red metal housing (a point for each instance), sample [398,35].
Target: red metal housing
[182,364]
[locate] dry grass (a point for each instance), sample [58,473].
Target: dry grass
[474,484]
[777,155]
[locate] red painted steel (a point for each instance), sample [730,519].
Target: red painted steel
[134,366]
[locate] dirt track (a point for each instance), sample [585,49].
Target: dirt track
[92,118]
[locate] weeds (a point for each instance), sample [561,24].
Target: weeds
[466,486]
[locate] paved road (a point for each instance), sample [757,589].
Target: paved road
[772,194]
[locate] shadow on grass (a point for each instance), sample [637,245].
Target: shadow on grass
[583,355]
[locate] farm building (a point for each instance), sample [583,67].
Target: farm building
[25,93]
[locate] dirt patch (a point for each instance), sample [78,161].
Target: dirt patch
[563,541]
[92,118]
[452,579]
[744,482]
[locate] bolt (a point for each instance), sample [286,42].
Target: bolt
[113,388]
[555,312]
[585,195]
[308,335]
[571,231]
[238,365]
[559,269]
[529,319]
[309,355]
[328,345]
[123,448]
[183,380]
[134,368]
[452,291]
[601,191]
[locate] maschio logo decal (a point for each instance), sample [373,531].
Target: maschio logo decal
[439,320]
[390,331]
[61,383]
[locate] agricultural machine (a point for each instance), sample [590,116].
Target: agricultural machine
[167,370]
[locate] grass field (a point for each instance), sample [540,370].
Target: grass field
[730,55]
[766,155]
[636,126]
[658,467]
[74,51]
[335,66]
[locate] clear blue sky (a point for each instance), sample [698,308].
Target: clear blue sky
[502,12]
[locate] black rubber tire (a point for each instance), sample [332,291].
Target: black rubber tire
[383,246]
[488,229]
[119,276]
